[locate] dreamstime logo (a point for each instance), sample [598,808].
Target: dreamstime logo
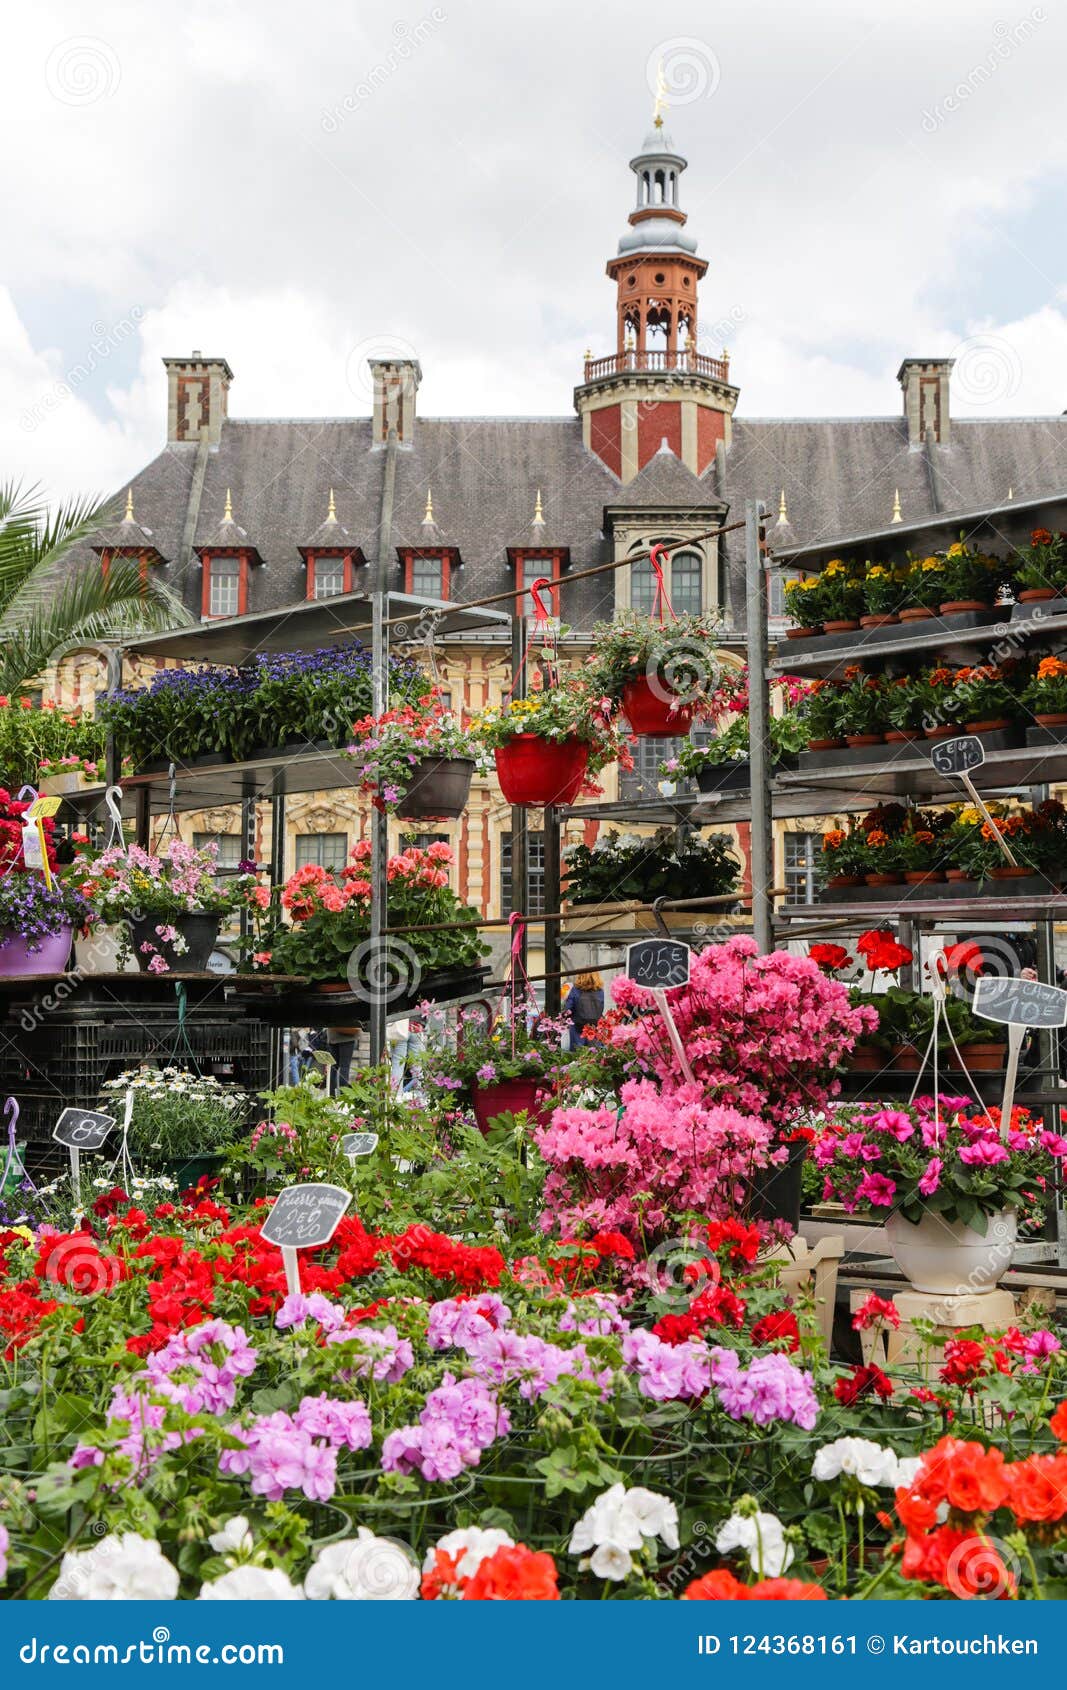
[407,39]
[687,673]
[358,372]
[982,1567]
[1007,39]
[988,369]
[82,70]
[690,70]
[384,971]
[104,341]
[679,1268]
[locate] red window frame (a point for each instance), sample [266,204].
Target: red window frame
[328,555]
[207,559]
[552,570]
[142,559]
[439,557]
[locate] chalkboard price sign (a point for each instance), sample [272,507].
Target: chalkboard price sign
[82,1129]
[957,756]
[1020,1003]
[359,1144]
[658,964]
[305,1216]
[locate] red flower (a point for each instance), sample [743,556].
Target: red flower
[719,1585]
[613,1244]
[830,957]
[881,951]
[864,1381]
[778,1328]
[1058,1423]
[514,1573]
[786,1590]
[873,1310]
[964,1361]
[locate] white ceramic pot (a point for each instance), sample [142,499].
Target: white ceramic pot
[950,1259]
[99,953]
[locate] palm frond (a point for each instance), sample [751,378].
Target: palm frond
[33,538]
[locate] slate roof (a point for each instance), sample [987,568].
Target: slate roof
[839,475]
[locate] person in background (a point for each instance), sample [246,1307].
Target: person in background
[299,1054]
[584,1004]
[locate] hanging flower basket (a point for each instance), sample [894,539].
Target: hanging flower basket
[50,957]
[654,711]
[439,786]
[534,772]
[187,954]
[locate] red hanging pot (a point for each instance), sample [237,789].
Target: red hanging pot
[506,1097]
[533,771]
[649,710]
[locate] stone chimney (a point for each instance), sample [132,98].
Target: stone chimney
[197,390]
[396,382]
[925,383]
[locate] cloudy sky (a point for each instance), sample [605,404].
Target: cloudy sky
[296,186]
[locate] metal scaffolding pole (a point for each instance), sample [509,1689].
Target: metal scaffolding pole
[761,852]
[520,839]
[376,961]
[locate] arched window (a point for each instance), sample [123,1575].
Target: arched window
[685,584]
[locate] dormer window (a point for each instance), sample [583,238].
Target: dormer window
[328,574]
[531,566]
[428,576]
[225,585]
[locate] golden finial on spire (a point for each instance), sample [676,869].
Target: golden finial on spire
[783,514]
[129,505]
[660,105]
[331,509]
[538,515]
[429,505]
[896,516]
[227,515]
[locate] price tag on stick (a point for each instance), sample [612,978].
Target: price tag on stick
[359,1144]
[303,1217]
[957,757]
[662,965]
[78,1130]
[1017,1003]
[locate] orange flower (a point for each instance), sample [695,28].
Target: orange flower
[835,837]
[1039,1488]
[1058,1423]
[876,838]
[977,1482]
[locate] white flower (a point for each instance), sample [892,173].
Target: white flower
[656,1515]
[251,1584]
[611,1562]
[363,1569]
[762,1538]
[234,1535]
[907,1468]
[470,1546]
[608,1520]
[871,1463]
[127,1568]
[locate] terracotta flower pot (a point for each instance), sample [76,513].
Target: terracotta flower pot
[844,626]
[897,736]
[881,620]
[882,879]
[955,606]
[959,874]
[826,744]
[1051,719]
[863,739]
[838,880]
[1032,595]
[653,711]
[802,633]
[941,733]
[533,771]
[906,1058]
[993,725]
[1010,871]
[982,1057]
[866,1058]
[917,613]
[919,876]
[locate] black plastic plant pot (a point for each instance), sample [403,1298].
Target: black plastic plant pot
[199,932]
[439,786]
[775,1192]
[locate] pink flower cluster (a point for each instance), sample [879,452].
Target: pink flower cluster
[288,1452]
[385,1356]
[458,1420]
[668,1372]
[769,1389]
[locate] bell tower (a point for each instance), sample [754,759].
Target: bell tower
[659,384]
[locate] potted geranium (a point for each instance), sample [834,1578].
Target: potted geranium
[1039,571]
[498,1069]
[904,709]
[171,902]
[418,760]
[660,673]
[841,858]
[723,761]
[550,746]
[947,1181]
[327,938]
[1046,695]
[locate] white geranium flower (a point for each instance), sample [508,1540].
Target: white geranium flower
[656,1515]
[124,1568]
[871,1463]
[611,1562]
[470,1546]
[907,1468]
[234,1536]
[251,1584]
[608,1520]
[762,1538]
[363,1569]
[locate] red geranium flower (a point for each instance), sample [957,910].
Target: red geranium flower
[881,951]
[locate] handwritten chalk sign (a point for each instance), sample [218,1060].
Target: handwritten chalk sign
[305,1216]
[359,1144]
[82,1129]
[658,964]
[1020,1003]
[957,756]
